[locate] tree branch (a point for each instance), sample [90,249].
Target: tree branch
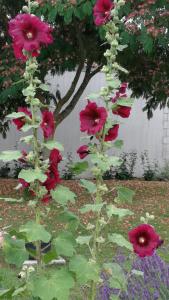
[72,88]
[69,108]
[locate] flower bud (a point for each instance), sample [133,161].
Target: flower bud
[25,9]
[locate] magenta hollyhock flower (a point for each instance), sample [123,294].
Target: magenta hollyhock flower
[102,11]
[19,53]
[83,151]
[112,133]
[55,157]
[52,178]
[122,111]
[29,33]
[48,124]
[144,239]
[92,118]
[20,122]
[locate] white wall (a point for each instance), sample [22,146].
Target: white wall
[138,133]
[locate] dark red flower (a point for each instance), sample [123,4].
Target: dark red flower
[102,11]
[83,151]
[55,157]
[20,122]
[48,124]
[46,199]
[123,87]
[92,118]
[52,178]
[144,239]
[122,111]
[29,33]
[112,133]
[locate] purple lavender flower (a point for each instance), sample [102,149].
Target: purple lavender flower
[153,285]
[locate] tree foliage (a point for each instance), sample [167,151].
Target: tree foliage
[78,46]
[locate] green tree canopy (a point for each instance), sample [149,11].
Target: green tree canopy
[79,45]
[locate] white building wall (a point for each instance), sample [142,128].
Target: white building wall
[138,133]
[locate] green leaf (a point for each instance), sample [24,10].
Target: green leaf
[89,185]
[104,163]
[118,279]
[65,244]
[4,293]
[125,195]
[28,127]
[56,286]
[120,212]
[16,115]
[125,102]
[87,8]
[68,15]
[44,87]
[83,240]
[68,216]
[27,139]
[31,175]
[14,251]
[53,145]
[122,47]
[10,155]
[63,195]
[35,232]
[118,144]
[120,241]
[115,84]
[80,167]
[85,270]
[19,291]
[91,207]
[49,256]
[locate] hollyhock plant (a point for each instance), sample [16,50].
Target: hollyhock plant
[102,11]
[29,33]
[20,122]
[83,151]
[92,118]
[144,239]
[48,124]
[112,133]
[55,157]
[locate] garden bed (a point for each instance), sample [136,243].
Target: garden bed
[150,197]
